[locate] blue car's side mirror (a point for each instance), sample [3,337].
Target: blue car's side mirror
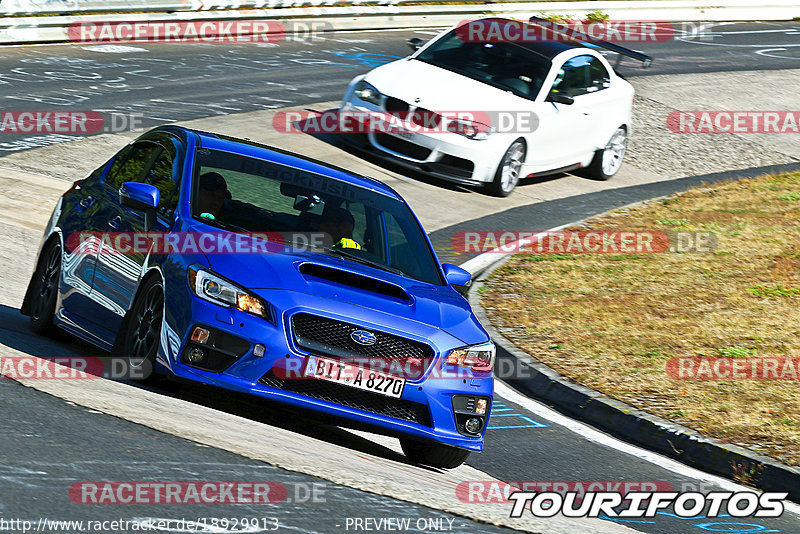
[459,278]
[141,197]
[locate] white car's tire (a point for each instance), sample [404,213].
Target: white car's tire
[508,171]
[607,161]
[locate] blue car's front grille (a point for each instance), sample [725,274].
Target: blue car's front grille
[352,398]
[324,336]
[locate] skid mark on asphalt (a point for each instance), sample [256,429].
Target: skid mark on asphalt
[515,420]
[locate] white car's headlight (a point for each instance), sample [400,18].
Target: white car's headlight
[470,129]
[213,288]
[478,357]
[367,93]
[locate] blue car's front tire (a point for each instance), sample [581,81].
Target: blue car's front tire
[44,290]
[433,454]
[142,332]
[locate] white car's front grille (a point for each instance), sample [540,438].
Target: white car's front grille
[395,104]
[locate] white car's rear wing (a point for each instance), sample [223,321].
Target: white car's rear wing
[585,40]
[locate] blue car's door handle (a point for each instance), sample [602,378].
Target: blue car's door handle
[87,202]
[115,223]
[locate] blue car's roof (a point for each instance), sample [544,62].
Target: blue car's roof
[268,153]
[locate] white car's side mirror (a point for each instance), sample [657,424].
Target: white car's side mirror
[415,43]
[559,98]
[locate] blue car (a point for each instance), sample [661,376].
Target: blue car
[245,267]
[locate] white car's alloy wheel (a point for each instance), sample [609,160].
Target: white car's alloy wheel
[614,152]
[508,173]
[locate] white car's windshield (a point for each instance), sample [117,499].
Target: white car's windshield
[505,65]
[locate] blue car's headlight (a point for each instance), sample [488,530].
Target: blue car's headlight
[213,288]
[478,357]
[367,93]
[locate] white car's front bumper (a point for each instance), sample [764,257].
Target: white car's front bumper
[445,155]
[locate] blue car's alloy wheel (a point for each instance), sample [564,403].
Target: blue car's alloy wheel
[45,290]
[144,328]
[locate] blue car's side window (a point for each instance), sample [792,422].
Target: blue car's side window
[164,173]
[161,176]
[115,162]
[132,165]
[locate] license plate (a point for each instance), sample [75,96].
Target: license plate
[354,376]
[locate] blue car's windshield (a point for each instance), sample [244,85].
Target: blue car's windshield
[241,193]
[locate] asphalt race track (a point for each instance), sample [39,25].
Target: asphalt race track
[168,82]
[55,436]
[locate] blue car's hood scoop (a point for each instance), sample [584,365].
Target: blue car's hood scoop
[349,278]
[345,281]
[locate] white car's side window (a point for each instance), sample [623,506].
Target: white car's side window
[581,75]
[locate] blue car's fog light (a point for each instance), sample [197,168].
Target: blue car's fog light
[217,353]
[469,412]
[473,425]
[196,355]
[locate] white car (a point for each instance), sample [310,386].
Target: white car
[581,109]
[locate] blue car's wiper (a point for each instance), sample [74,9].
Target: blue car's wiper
[352,257]
[359,259]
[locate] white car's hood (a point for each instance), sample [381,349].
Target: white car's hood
[441,90]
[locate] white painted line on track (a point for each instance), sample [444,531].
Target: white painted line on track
[114,49]
[484,261]
[790,31]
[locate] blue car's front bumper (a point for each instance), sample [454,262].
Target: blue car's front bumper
[430,396]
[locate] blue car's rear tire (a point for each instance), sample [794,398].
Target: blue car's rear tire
[143,330]
[44,290]
[433,454]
